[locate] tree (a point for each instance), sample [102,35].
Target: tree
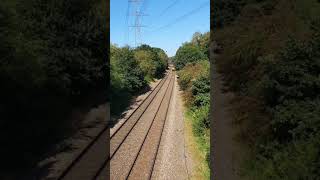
[124,63]
[202,41]
[146,63]
[131,69]
[157,58]
[188,53]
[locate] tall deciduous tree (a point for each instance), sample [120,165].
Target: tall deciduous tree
[188,53]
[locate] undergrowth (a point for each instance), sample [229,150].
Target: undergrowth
[192,62]
[270,60]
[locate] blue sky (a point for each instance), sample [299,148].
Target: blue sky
[184,17]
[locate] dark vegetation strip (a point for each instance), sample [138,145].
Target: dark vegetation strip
[268,52]
[53,60]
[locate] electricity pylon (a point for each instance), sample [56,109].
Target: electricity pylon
[138,14]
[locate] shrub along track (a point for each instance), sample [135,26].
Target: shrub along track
[93,162]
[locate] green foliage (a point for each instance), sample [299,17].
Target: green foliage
[161,61]
[200,85]
[127,66]
[131,69]
[194,51]
[146,64]
[296,119]
[184,79]
[277,69]
[290,88]
[200,89]
[53,58]
[295,161]
[126,78]
[191,72]
[191,61]
[202,41]
[294,74]
[188,54]
[202,121]
[153,60]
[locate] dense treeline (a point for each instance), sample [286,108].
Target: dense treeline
[53,58]
[192,61]
[270,59]
[192,52]
[132,70]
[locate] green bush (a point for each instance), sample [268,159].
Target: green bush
[202,41]
[126,71]
[131,70]
[192,62]
[127,78]
[295,161]
[191,72]
[290,89]
[293,74]
[184,79]
[200,85]
[202,99]
[201,120]
[188,54]
[278,70]
[195,78]
[153,60]
[296,120]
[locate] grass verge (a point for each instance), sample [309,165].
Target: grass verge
[199,148]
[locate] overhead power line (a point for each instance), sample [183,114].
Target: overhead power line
[168,7]
[126,35]
[165,10]
[184,16]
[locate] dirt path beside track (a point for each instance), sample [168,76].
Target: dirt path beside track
[174,159]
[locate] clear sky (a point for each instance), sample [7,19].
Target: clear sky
[168,23]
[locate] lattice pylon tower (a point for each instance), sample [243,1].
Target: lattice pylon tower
[138,14]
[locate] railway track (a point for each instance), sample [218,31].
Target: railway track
[94,161]
[134,156]
[147,155]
